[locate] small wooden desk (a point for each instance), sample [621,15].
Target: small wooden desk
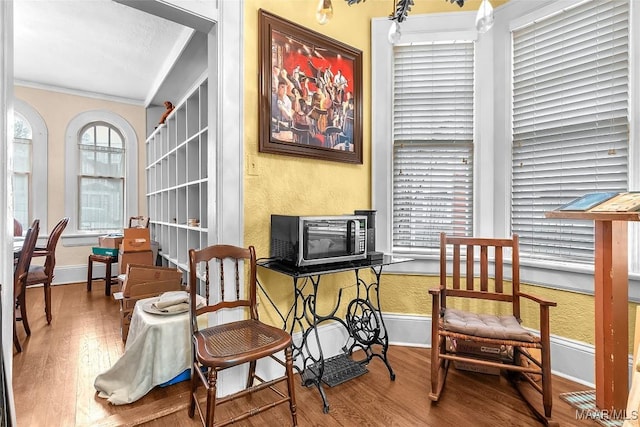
[611,276]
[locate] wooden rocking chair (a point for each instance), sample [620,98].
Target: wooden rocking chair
[458,335]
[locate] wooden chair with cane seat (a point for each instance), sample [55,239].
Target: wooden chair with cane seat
[485,339]
[225,345]
[44,273]
[20,281]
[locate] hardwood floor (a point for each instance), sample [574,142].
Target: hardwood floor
[54,375]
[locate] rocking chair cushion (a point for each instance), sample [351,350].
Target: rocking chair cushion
[486,325]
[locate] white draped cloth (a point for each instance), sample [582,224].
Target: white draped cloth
[158,349]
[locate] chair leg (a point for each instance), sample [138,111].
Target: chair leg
[194,387]
[252,373]
[107,279]
[89,274]
[292,395]
[435,368]
[23,312]
[547,397]
[16,341]
[47,301]
[211,396]
[439,367]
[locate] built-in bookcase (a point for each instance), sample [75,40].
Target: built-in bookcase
[177,179]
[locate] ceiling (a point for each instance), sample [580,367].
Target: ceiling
[96,47]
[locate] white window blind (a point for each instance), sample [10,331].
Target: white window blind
[433,120]
[570,122]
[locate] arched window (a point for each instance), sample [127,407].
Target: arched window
[100,177]
[29,181]
[101,173]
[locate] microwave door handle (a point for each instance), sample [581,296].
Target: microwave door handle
[353,246]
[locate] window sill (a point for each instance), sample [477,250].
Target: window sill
[85,239]
[553,275]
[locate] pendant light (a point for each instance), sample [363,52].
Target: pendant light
[401,8]
[324,11]
[394,32]
[484,18]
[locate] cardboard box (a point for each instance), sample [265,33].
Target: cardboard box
[536,353]
[483,350]
[144,281]
[472,367]
[149,277]
[136,240]
[126,258]
[148,290]
[110,241]
[104,251]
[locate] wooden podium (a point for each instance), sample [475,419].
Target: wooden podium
[611,301]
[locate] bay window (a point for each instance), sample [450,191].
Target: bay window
[555,83]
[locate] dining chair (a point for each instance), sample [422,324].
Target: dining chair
[38,274]
[481,337]
[17,228]
[226,345]
[20,280]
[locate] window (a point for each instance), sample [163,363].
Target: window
[570,122]
[500,203]
[22,149]
[29,182]
[429,135]
[100,175]
[101,178]
[432,142]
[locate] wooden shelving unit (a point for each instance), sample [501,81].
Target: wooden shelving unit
[178,177]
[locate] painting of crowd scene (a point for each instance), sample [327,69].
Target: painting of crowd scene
[312,88]
[311,100]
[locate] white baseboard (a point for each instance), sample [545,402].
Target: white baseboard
[65,274]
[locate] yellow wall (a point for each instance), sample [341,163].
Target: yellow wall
[57,110]
[284,184]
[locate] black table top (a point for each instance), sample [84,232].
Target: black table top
[314,270]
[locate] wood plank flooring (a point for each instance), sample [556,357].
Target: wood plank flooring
[54,375]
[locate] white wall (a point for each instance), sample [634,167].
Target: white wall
[6,208]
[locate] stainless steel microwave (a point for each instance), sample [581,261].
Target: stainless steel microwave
[312,240]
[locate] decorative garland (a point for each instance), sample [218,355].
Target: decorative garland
[403,7]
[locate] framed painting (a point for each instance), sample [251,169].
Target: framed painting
[310,93]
